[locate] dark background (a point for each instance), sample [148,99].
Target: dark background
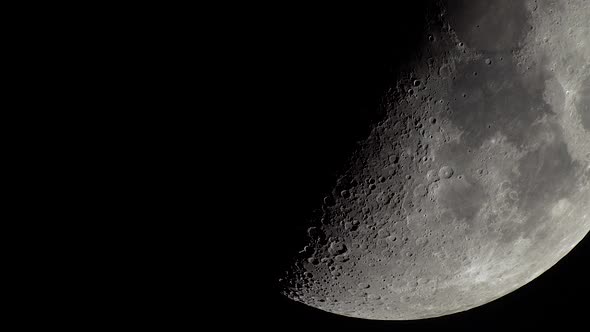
[317,75]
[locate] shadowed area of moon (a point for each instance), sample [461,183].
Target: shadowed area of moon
[476,179]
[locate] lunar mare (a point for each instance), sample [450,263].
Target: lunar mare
[475,182]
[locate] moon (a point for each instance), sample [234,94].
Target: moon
[477,179]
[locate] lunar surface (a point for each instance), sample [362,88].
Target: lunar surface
[477,179]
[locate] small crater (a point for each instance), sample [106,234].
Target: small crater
[363,285]
[445,172]
[392,238]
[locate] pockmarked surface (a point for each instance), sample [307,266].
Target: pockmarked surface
[475,182]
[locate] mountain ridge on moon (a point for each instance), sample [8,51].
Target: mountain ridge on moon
[475,182]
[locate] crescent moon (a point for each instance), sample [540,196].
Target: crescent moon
[475,182]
